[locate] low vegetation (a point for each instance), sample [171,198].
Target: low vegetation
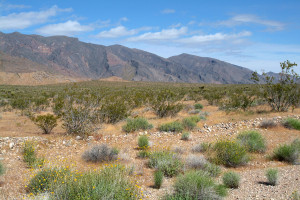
[2,168]
[165,161]
[267,124]
[272,176]
[30,155]
[231,179]
[230,153]
[100,153]
[288,152]
[186,136]
[143,142]
[109,183]
[158,178]
[171,127]
[292,123]
[136,125]
[196,185]
[253,141]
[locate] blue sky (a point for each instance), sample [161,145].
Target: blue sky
[253,34]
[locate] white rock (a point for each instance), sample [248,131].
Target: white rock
[11,145]
[78,137]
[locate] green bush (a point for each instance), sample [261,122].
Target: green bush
[196,185]
[45,122]
[165,161]
[2,169]
[143,142]
[185,136]
[198,106]
[113,111]
[253,141]
[230,153]
[158,178]
[231,179]
[288,152]
[212,169]
[172,127]
[42,181]
[100,153]
[136,124]
[190,122]
[144,153]
[110,183]
[292,123]
[29,155]
[272,176]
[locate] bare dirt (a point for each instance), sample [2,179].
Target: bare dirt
[61,149]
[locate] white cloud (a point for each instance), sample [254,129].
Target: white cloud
[118,31]
[68,28]
[165,34]
[244,19]
[196,39]
[124,19]
[12,6]
[23,20]
[168,11]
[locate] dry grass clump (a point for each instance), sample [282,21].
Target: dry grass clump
[100,153]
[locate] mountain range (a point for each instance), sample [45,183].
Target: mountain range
[61,59]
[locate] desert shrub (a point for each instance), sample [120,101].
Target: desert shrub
[143,154]
[110,183]
[196,162]
[29,155]
[200,148]
[178,150]
[165,161]
[164,103]
[196,185]
[113,110]
[2,169]
[158,178]
[136,124]
[185,136]
[42,181]
[100,153]
[292,123]
[190,122]
[288,152]
[198,106]
[267,124]
[272,176]
[172,127]
[283,93]
[238,100]
[231,179]
[45,122]
[212,169]
[195,111]
[230,153]
[253,141]
[143,142]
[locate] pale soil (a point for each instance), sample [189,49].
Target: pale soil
[60,149]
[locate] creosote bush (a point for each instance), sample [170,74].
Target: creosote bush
[196,185]
[231,179]
[171,127]
[190,122]
[272,176]
[100,153]
[165,161]
[143,142]
[253,141]
[136,124]
[230,153]
[288,152]
[45,122]
[292,123]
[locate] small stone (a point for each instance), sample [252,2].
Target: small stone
[90,138]
[78,137]
[11,145]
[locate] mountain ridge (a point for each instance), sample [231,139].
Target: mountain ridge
[70,57]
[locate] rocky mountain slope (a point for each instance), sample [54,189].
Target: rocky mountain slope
[71,58]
